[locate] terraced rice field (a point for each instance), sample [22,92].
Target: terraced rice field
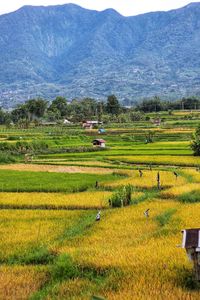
[149,179]
[22,231]
[170,160]
[20,282]
[56,169]
[52,247]
[102,255]
[34,181]
[55,200]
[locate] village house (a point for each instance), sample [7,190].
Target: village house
[99,143]
[90,124]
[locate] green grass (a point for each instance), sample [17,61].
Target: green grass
[191,197]
[80,227]
[19,181]
[164,218]
[33,256]
[65,269]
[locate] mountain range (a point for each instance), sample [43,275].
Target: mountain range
[75,52]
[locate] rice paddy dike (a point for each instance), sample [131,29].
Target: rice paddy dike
[51,246]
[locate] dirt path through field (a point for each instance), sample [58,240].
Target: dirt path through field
[56,169]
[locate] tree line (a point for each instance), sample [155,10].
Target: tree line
[79,110]
[75,111]
[156,104]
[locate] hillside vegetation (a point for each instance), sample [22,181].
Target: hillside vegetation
[75,52]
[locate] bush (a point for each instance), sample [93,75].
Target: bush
[6,158]
[23,147]
[7,146]
[122,197]
[13,138]
[64,268]
[195,145]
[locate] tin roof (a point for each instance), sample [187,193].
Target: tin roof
[191,238]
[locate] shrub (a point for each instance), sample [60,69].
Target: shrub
[195,145]
[64,268]
[122,197]
[13,138]
[6,158]
[6,146]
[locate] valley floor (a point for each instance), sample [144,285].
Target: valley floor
[52,247]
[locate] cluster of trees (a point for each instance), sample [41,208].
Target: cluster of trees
[156,104]
[22,147]
[79,110]
[76,111]
[87,108]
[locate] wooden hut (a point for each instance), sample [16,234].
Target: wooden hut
[191,243]
[99,143]
[157,121]
[90,124]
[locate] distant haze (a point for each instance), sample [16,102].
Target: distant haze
[125,7]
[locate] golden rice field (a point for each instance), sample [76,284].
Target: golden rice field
[20,282]
[140,254]
[194,173]
[56,168]
[178,130]
[159,160]
[120,232]
[148,179]
[59,161]
[147,253]
[22,229]
[56,200]
[176,191]
[179,190]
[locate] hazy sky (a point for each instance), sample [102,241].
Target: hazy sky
[125,7]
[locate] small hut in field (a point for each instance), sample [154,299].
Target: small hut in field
[157,121]
[191,243]
[90,124]
[99,143]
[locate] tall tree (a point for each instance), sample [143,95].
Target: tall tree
[36,108]
[112,106]
[19,113]
[59,105]
[100,110]
[195,145]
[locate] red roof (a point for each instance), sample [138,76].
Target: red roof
[99,140]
